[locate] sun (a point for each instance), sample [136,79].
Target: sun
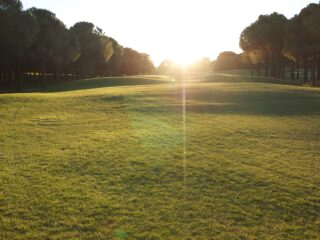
[183,50]
[183,61]
[184,58]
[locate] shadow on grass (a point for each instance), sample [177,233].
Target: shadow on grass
[282,109]
[106,82]
[273,108]
[242,76]
[268,102]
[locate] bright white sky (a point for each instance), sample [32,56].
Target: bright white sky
[181,30]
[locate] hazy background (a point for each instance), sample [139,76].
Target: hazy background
[181,30]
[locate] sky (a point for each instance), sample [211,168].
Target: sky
[180,30]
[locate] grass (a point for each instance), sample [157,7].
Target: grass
[110,82]
[116,163]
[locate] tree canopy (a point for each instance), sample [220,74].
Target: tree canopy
[275,43]
[264,41]
[34,42]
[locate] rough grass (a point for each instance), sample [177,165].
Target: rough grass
[111,163]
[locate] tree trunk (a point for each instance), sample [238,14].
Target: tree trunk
[305,72]
[283,72]
[258,71]
[278,68]
[6,76]
[318,68]
[298,70]
[10,76]
[292,69]
[17,76]
[273,72]
[43,76]
[279,71]
[266,70]
[57,73]
[313,70]
[34,78]
[267,67]
[1,76]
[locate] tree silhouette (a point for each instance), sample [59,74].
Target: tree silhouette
[113,67]
[14,5]
[36,43]
[47,49]
[18,31]
[265,38]
[302,41]
[228,60]
[96,49]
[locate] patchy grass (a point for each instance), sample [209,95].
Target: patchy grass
[117,163]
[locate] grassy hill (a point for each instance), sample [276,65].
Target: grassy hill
[91,160]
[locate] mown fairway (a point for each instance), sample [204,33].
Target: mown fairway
[109,162]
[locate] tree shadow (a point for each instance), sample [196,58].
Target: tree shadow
[238,78]
[272,108]
[105,82]
[268,102]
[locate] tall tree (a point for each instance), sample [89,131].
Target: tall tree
[134,62]
[113,67]
[295,45]
[228,60]
[18,31]
[96,48]
[302,40]
[47,48]
[15,5]
[266,35]
[311,21]
[67,52]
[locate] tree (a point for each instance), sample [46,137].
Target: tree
[228,60]
[171,68]
[113,66]
[46,51]
[104,53]
[130,62]
[96,48]
[67,52]
[295,44]
[311,21]
[200,65]
[302,41]
[146,65]
[13,5]
[18,31]
[36,41]
[134,63]
[265,38]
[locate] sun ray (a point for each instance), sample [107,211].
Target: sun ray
[184,124]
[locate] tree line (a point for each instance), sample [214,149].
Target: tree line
[274,45]
[37,49]
[230,60]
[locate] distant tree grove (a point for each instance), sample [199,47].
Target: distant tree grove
[229,60]
[37,49]
[275,45]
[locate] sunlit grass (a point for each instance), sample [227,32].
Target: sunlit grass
[108,163]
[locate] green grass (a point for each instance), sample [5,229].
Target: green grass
[110,82]
[110,162]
